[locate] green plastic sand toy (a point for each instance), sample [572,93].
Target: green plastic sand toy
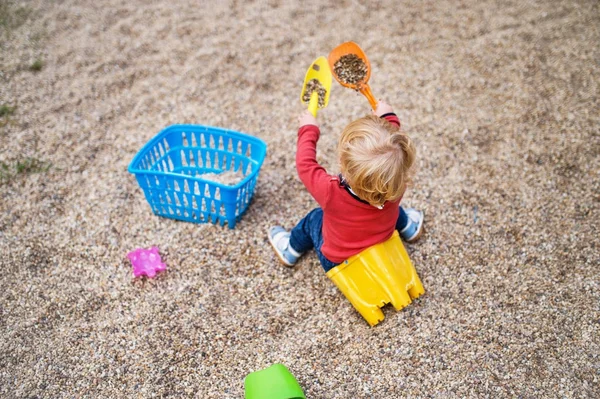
[275,382]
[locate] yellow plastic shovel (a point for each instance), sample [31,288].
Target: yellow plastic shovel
[316,94]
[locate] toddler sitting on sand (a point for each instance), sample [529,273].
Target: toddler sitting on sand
[359,207]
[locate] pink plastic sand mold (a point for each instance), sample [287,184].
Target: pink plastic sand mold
[146,262]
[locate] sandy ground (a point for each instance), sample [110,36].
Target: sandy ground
[501,98]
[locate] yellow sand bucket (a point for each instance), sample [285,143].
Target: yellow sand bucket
[381,274]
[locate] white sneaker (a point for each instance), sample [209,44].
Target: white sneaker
[414,229]
[280,240]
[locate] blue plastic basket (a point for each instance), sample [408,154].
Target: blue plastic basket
[169,169]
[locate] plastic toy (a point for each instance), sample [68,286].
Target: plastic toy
[275,382]
[146,262]
[319,70]
[362,86]
[380,274]
[170,169]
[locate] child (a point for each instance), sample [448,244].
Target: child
[359,207]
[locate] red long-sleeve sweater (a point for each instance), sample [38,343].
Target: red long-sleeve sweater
[349,225]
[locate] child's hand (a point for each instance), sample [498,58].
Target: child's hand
[383,108]
[306,118]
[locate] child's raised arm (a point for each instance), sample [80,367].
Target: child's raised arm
[306,118]
[315,178]
[384,110]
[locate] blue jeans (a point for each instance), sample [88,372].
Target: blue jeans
[308,234]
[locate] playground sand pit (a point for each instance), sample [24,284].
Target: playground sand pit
[501,99]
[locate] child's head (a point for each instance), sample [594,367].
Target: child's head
[376,159]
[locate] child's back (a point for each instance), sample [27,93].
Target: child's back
[360,206]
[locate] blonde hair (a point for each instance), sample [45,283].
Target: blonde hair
[376,159]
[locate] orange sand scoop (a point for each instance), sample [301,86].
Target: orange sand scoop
[351,67]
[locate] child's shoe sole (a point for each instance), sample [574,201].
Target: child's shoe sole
[281,258]
[416,238]
[420,227]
